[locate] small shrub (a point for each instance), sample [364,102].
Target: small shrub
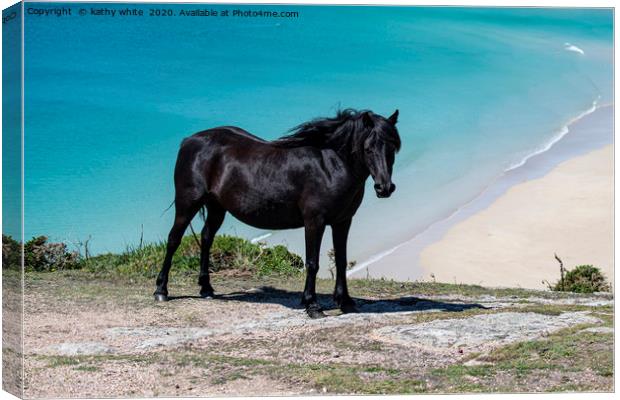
[40,255]
[233,253]
[278,260]
[11,253]
[230,252]
[331,255]
[583,279]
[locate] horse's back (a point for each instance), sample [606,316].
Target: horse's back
[208,145]
[228,134]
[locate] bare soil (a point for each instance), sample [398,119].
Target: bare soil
[90,336]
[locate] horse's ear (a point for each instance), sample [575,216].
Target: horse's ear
[367,119]
[394,118]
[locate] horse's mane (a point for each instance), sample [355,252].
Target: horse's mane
[348,129]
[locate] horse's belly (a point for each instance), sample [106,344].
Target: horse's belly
[260,194]
[269,215]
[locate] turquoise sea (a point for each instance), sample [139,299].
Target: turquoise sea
[108,100]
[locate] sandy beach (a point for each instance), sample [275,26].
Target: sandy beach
[569,211]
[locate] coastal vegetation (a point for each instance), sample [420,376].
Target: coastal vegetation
[581,279]
[228,254]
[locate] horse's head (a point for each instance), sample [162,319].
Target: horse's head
[368,140]
[380,148]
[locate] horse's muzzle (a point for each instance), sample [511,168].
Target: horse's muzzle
[384,191]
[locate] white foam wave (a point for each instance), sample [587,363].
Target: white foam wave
[573,48]
[376,257]
[554,139]
[373,259]
[261,237]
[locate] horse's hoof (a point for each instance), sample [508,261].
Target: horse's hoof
[207,294]
[315,313]
[160,297]
[349,308]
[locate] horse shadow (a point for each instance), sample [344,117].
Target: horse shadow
[291,299]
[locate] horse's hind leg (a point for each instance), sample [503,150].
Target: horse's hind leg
[215,217]
[183,216]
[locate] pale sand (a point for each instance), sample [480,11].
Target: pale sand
[512,242]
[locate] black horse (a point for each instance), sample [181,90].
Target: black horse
[311,178]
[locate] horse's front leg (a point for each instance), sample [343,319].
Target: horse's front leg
[215,217]
[340,233]
[314,235]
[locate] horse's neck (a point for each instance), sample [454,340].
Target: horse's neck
[356,166]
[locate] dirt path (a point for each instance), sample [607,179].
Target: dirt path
[94,339]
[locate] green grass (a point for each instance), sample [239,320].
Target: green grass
[87,368]
[228,253]
[392,287]
[61,361]
[105,281]
[557,360]
[336,378]
[331,377]
[568,351]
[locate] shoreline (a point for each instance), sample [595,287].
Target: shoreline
[585,133]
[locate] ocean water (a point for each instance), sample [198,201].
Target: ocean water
[11,123]
[108,100]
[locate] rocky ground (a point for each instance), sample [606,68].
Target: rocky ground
[96,337]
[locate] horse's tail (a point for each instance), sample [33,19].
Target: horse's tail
[203,212]
[169,207]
